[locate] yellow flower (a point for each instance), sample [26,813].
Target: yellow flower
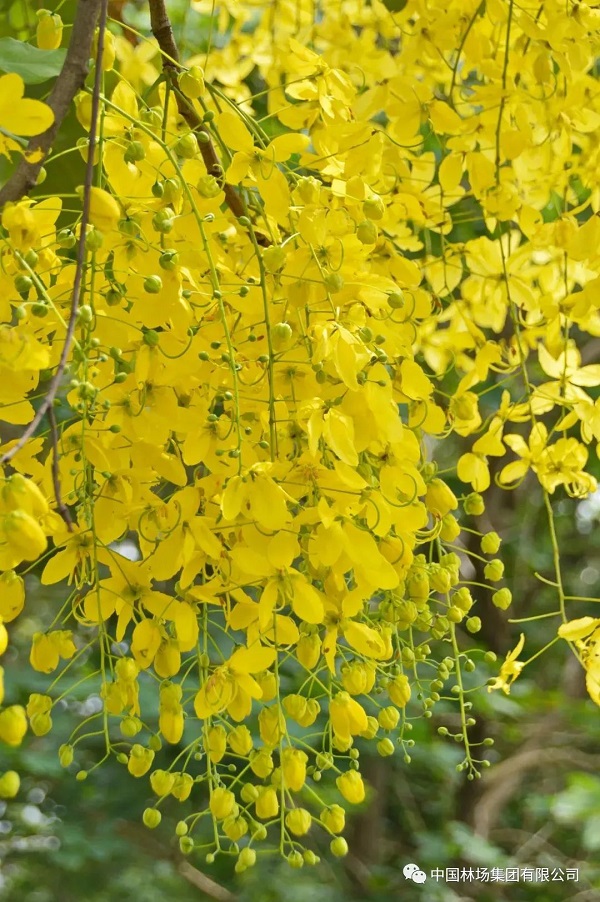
[510,670]
[105,212]
[24,536]
[232,686]
[19,493]
[19,115]
[348,718]
[12,595]
[440,499]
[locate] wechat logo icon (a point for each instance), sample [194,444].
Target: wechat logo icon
[414,873]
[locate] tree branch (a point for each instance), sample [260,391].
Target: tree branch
[79,269]
[163,32]
[60,504]
[140,836]
[69,82]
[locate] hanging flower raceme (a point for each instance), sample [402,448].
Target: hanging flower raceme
[281,320]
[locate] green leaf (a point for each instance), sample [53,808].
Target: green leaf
[32,64]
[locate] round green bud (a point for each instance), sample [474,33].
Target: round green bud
[366,232]
[187,146]
[474,504]
[474,624]
[85,313]
[385,747]
[295,859]
[186,845]
[502,599]
[151,818]
[65,239]
[153,284]
[134,152]
[339,847]
[163,221]
[23,284]
[490,543]
[373,208]
[151,337]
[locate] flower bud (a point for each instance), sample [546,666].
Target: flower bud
[298,821]
[48,34]
[151,818]
[9,784]
[240,740]
[271,724]
[267,803]
[366,232]
[494,570]
[490,543]
[308,651]
[140,760]
[399,690]
[474,504]
[385,747]
[235,827]
[373,208]
[293,766]
[222,802]
[13,725]
[215,743]
[502,599]
[191,82]
[388,718]
[261,763]
[182,786]
[351,787]
[161,782]
[333,818]
[339,847]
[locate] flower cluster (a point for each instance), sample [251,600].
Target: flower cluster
[252,398]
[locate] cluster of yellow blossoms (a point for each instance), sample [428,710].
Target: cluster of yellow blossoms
[252,401]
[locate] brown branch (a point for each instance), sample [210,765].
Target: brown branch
[79,269]
[60,504]
[140,836]
[69,82]
[163,32]
[204,883]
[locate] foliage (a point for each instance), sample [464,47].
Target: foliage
[259,374]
